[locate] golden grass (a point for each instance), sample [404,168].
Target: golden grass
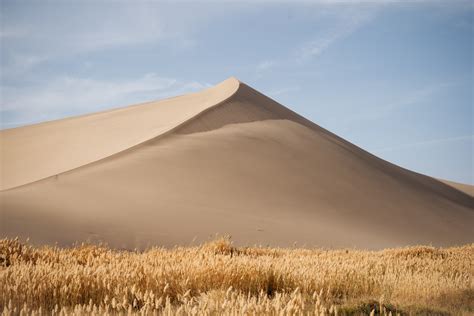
[217,278]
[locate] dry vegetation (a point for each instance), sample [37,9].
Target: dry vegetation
[217,278]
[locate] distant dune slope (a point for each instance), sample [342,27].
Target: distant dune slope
[466,188]
[228,160]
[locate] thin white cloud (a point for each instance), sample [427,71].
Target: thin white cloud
[8,34]
[20,64]
[431,142]
[264,65]
[417,96]
[278,92]
[42,32]
[349,21]
[344,21]
[38,44]
[82,95]
[411,98]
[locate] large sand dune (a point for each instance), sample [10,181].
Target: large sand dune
[227,160]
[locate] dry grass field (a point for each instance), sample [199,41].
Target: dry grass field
[217,278]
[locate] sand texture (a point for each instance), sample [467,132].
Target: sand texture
[227,160]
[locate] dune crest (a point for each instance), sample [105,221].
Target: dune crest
[227,160]
[39,151]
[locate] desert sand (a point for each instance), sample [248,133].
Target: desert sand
[227,160]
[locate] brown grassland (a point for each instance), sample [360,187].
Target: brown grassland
[217,278]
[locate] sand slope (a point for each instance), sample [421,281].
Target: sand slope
[38,151]
[226,160]
[466,188]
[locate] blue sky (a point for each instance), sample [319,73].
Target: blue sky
[393,77]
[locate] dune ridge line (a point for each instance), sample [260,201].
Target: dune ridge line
[17,167]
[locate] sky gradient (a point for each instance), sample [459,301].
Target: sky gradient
[393,77]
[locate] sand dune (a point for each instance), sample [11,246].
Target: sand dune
[43,150]
[227,160]
[466,188]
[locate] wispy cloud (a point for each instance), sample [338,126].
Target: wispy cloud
[19,64]
[407,100]
[278,92]
[8,34]
[34,33]
[431,142]
[72,96]
[264,66]
[343,21]
[47,49]
[347,22]
[34,38]
[417,96]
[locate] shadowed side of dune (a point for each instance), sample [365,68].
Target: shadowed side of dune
[249,105]
[245,166]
